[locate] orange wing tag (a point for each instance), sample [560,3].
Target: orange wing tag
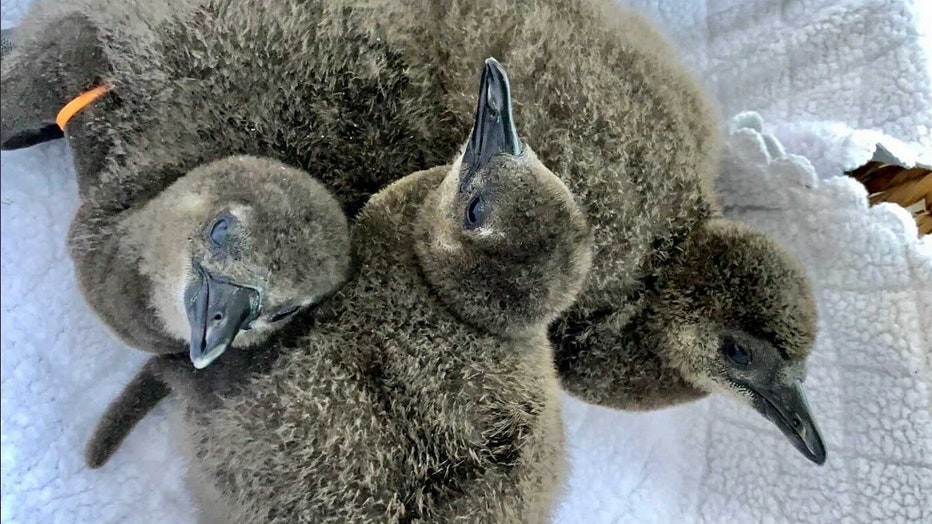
[78,103]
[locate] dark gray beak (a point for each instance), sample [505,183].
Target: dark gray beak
[217,311]
[494,131]
[785,405]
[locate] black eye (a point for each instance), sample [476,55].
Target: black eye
[284,313]
[219,231]
[475,212]
[736,354]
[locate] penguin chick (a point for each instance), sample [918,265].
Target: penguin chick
[234,249]
[730,313]
[380,89]
[196,244]
[427,392]
[221,257]
[609,107]
[751,315]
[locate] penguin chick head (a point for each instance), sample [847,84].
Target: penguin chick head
[235,248]
[737,317]
[503,242]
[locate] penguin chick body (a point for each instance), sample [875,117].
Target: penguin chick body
[426,393]
[368,91]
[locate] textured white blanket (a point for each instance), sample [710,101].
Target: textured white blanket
[870,380]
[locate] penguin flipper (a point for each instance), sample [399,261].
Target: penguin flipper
[42,73]
[136,400]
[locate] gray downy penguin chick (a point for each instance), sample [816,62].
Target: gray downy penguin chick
[427,391]
[235,250]
[228,254]
[730,313]
[386,89]
[136,241]
[223,256]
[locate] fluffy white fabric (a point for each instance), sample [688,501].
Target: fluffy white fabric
[863,63]
[869,384]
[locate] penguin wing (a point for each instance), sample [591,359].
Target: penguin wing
[136,400]
[41,72]
[16,136]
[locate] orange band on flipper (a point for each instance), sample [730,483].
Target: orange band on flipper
[78,103]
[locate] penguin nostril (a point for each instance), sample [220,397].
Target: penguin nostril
[797,422]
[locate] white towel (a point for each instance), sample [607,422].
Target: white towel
[863,63]
[870,380]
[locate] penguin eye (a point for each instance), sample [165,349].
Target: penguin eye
[475,213]
[736,354]
[220,230]
[284,313]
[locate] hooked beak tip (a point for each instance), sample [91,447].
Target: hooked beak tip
[203,360]
[217,310]
[818,458]
[814,446]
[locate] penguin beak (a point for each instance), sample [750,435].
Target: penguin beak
[494,131]
[217,311]
[785,405]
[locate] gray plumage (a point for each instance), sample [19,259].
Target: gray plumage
[426,392]
[366,91]
[141,233]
